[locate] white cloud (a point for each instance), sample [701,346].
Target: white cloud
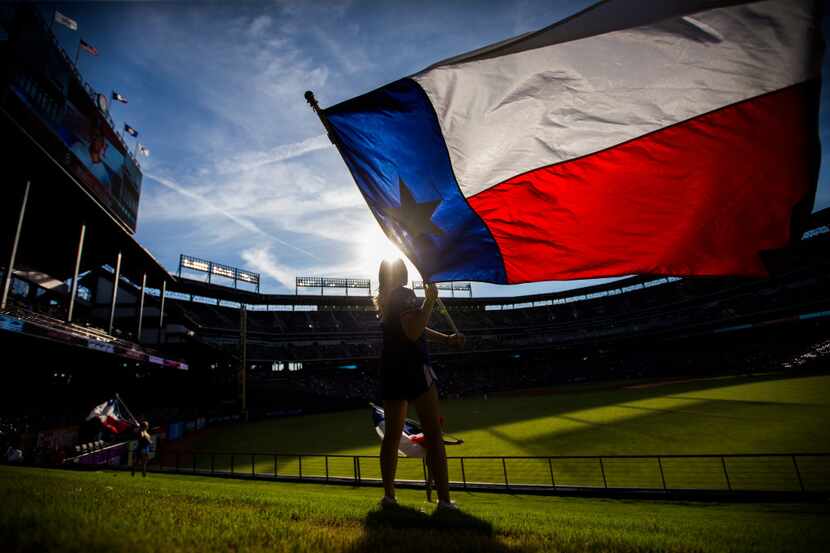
[210,209]
[247,161]
[350,58]
[259,25]
[246,82]
[260,259]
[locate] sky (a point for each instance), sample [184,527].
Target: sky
[240,170]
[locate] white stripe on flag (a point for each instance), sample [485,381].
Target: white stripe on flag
[504,114]
[65,21]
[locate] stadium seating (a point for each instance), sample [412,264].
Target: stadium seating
[625,334]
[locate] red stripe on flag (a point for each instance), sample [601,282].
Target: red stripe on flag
[703,197]
[115,425]
[89,48]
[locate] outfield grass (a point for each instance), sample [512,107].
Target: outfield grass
[724,415]
[715,416]
[51,510]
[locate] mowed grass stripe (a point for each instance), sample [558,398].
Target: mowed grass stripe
[723,415]
[110,511]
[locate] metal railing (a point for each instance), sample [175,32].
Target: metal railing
[783,472]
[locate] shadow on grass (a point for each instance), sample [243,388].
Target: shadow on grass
[474,414]
[407,529]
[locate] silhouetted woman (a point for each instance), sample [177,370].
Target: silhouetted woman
[407,376]
[142,448]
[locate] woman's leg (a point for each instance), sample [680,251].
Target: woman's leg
[427,406]
[430,479]
[395,413]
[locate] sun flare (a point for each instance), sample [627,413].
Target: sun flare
[374,247]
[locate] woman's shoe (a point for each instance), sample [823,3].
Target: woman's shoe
[447,506]
[388,502]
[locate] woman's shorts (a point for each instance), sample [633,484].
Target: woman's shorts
[406,383]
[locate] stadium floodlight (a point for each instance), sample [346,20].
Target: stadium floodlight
[339,283]
[217,269]
[247,276]
[452,287]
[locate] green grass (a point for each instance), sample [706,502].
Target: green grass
[721,415]
[725,415]
[50,510]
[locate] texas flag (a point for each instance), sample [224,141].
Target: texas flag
[412,437]
[636,137]
[110,416]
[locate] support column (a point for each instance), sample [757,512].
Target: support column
[10,269]
[74,292]
[141,307]
[243,346]
[161,309]
[114,291]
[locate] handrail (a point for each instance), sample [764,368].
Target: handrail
[597,473]
[523,457]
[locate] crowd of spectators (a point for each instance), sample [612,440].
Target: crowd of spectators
[684,306]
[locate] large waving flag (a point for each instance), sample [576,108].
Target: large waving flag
[111,417]
[669,138]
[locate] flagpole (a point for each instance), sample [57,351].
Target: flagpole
[312,101]
[135,421]
[446,314]
[77,53]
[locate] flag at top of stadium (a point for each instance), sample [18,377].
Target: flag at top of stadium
[669,138]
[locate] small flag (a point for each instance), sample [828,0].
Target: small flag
[116,96]
[65,21]
[129,130]
[144,150]
[412,437]
[89,47]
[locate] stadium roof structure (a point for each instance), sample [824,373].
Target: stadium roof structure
[57,205]
[821,217]
[777,261]
[204,289]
